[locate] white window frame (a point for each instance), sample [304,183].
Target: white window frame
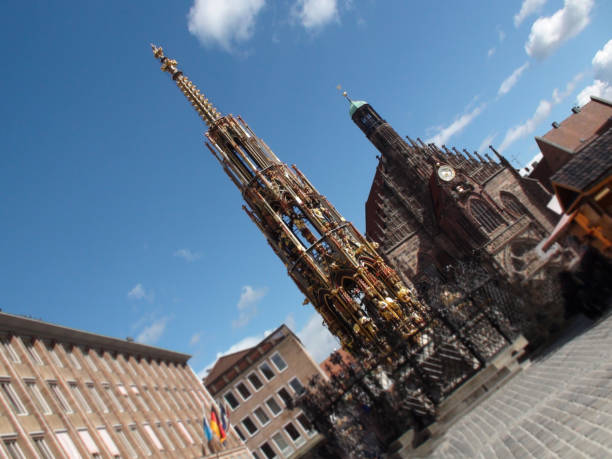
[100,355]
[96,396]
[12,446]
[60,398]
[260,407]
[268,441]
[53,353]
[126,441]
[246,428]
[38,396]
[7,345]
[71,355]
[284,452]
[118,364]
[28,343]
[308,433]
[239,393]
[87,356]
[165,435]
[141,443]
[108,441]
[251,383]
[12,398]
[300,440]
[274,363]
[68,447]
[272,397]
[41,446]
[162,398]
[90,444]
[153,436]
[228,403]
[139,396]
[279,396]
[146,390]
[298,380]
[241,435]
[262,372]
[78,395]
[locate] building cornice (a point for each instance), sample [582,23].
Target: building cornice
[19,325]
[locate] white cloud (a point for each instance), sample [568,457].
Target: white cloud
[317,339]
[247,304]
[244,343]
[509,82]
[484,145]
[598,89]
[195,338]
[138,292]
[186,255]
[602,72]
[549,32]
[151,333]
[491,52]
[602,63]
[528,8]
[223,22]
[314,14]
[314,336]
[515,133]
[541,113]
[455,127]
[501,34]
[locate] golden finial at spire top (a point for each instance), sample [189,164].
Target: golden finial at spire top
[198,100]
[158,52]
[344,93]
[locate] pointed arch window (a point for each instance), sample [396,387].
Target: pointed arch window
[512,204]
[485,215]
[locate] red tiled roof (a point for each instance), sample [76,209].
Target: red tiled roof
[225,363]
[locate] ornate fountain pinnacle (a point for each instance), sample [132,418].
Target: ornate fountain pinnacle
[200,103]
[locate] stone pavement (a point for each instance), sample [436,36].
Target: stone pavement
[559,406]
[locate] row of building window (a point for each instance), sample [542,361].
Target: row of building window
[262,415]
[13,400]
[166,369]
[255,380]
[280,439]
[134,448]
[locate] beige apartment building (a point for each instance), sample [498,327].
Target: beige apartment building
[66,393]
[257,384]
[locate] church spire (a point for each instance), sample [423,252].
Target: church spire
[200,103]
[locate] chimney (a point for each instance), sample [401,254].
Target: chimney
[555,125]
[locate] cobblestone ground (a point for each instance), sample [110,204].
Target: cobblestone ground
[560,406]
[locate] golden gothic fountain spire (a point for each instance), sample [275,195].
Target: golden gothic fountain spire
[358,296]
[202,105]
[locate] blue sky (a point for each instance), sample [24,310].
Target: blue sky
[115,219]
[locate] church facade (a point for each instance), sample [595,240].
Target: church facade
[429,207]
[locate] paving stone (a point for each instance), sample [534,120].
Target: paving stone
[560,406]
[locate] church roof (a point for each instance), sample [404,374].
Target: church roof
[355,104]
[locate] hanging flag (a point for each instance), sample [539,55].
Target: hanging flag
[223,417]
[221,431]
[227,414]
[207,430]
[214,423]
